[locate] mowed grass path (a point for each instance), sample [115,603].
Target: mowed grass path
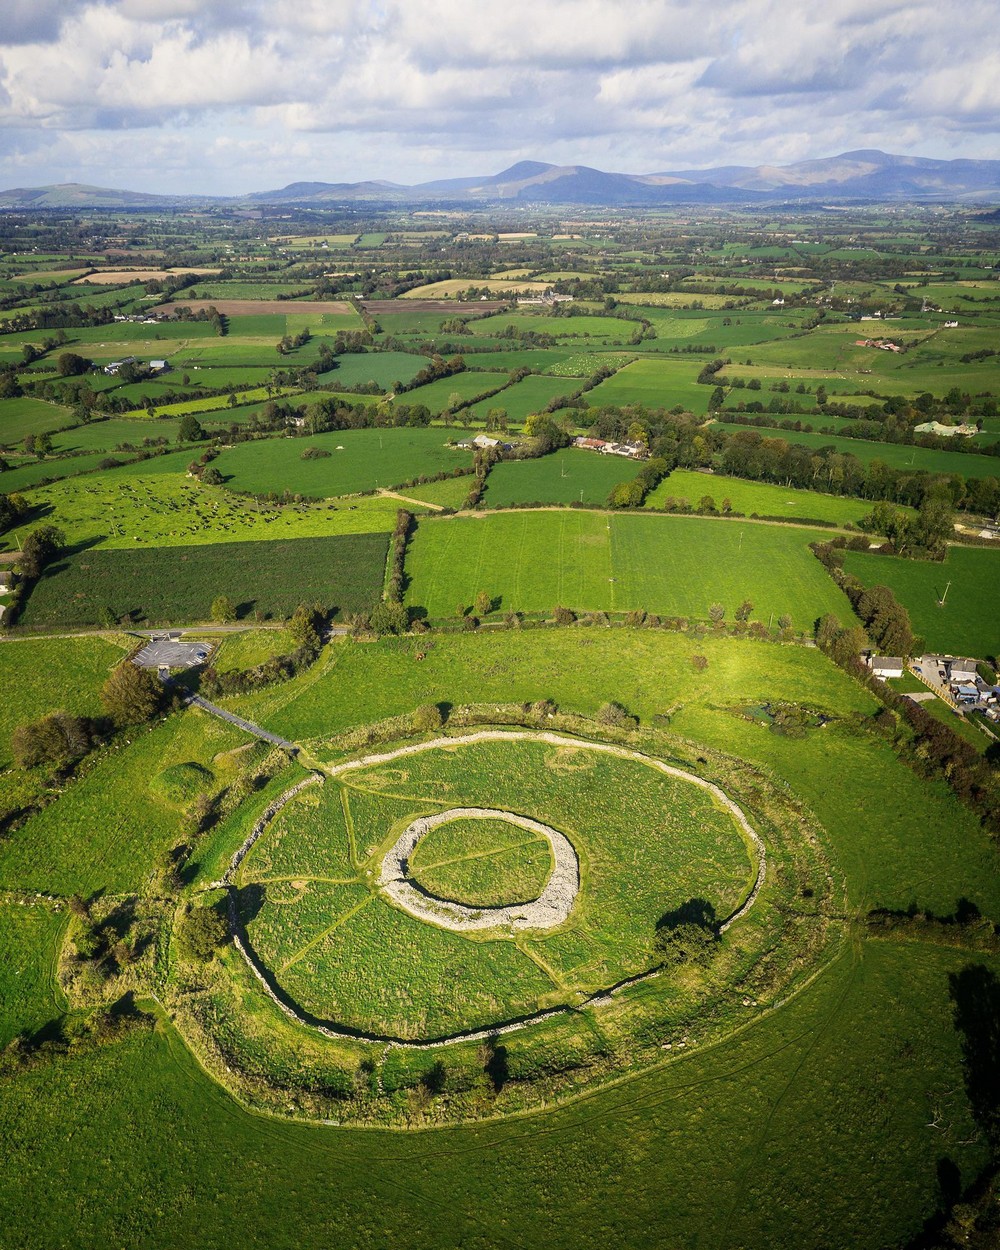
[969,622]
[367,459]
[613,562]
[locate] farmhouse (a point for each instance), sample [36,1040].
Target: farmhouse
[116,365]
[944,431]
[590,444]
[634,450]
[961,672]
[6,581]
[885,666]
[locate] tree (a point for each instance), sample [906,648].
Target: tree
[201,933]
[717,612]
[626,495]
[389,618]
[744,610]
[71,365]
[58,739]
[223,609]
[784,621]
[484,603]
[132,695]
[427,717]
[563,616]
[39,549]
[615,714]
[685,943]
[306,626]
[211,476]
[190,430]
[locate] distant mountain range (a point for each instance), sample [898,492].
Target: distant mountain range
[852,176]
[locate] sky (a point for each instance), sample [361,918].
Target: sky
[231,96]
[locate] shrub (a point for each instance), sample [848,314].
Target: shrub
[58,739]
[563,616]
[202,932]
[428,717]
[132,695]
[616,715]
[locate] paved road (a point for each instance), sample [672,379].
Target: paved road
[197,701]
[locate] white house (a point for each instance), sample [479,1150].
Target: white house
[885,666]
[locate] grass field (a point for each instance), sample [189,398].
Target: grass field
[669,565]
[896,455]
[178,584]
[568,476]
[48,676]
[319,935]
[359,460]
[19,417]
[532,394]
[109,829]
[107,435]
[438,395]
[115,509]
[25,476]
[30,998]
[645,1139]
[841,1085]
[482,863]
[757,497]
[969,622]
[654,382]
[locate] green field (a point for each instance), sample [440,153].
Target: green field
[48,676]
[568,476]
[677,566]
[655,382]
[532,394]
[320,933]
[19,417]
[28,474]
[118,510]
[757,497]
[482,863]
[178,584]
[107,435]
[655,1137]
[969,622]
[819,1075]
[896,455]
[359,460]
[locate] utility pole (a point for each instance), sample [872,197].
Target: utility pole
[944,596]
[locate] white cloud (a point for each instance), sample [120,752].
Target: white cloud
[390,88]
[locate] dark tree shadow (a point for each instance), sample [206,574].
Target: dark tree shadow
[975,993]
[496,1065]
[696,911]
[249,900]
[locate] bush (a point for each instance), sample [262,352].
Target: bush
[202,932]
[223,609]
[563,616]
[428,717]
[58,739]
[132,695]
[616,715]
